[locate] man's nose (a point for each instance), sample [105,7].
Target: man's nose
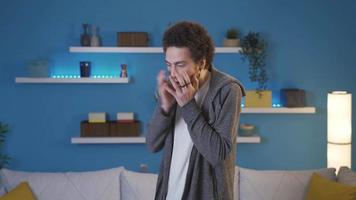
[173,71]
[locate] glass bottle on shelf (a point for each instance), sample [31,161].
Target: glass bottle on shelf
[95,39]
[85,37]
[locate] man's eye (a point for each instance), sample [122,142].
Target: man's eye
[181,65]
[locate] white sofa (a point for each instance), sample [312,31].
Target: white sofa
[275,185]
[121,184]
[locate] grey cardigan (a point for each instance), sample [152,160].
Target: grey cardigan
[213,130]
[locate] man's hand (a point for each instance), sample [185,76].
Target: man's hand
[167,100]
[185,91]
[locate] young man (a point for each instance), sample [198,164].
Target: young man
[196,119]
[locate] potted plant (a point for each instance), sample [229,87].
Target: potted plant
[254,52]
[232,38]
[4,159]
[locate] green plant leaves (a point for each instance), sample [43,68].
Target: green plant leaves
[4,159]
[254,52]
[232,33]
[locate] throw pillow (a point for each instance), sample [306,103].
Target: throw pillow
[137,186]
[322,188]
[346,176]
[22,191]
[277,185]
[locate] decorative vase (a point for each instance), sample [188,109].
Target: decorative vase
[259,99]
[123,73]
[95,39]
[247,129]
[85,69]
[292,97]
[38,68]
[85,37]
[231,43]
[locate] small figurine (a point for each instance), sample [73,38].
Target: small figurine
[123,73]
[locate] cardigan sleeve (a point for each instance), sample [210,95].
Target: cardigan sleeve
[158,128]
[215,141]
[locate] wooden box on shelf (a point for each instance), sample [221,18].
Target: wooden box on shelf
[124,129]
[292,97]
[94,129]
[259,99]
[132,39]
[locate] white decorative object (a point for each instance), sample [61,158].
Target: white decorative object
[339,129]
[125,116]
[95,39]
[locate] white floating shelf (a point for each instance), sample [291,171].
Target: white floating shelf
[228,49]
[139,49]
[248,139]
[108,140]
[70,80]
[115,49]
[281,110]
[141,140]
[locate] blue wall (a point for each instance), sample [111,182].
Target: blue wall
[311,46]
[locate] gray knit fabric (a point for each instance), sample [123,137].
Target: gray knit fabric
[213,130]
[346,176]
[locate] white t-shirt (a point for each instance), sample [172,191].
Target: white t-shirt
[182,147]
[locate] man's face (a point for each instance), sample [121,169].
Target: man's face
[178,60]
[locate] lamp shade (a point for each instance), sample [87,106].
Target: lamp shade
[339,129]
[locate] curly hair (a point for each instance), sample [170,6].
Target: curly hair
[193,36]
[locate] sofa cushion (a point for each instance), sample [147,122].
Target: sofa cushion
[346,176]
[2,190]
[93,185]
[323,188]
[22,191]
[137,186]
[277,185]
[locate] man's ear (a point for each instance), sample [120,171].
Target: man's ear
[202,64]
